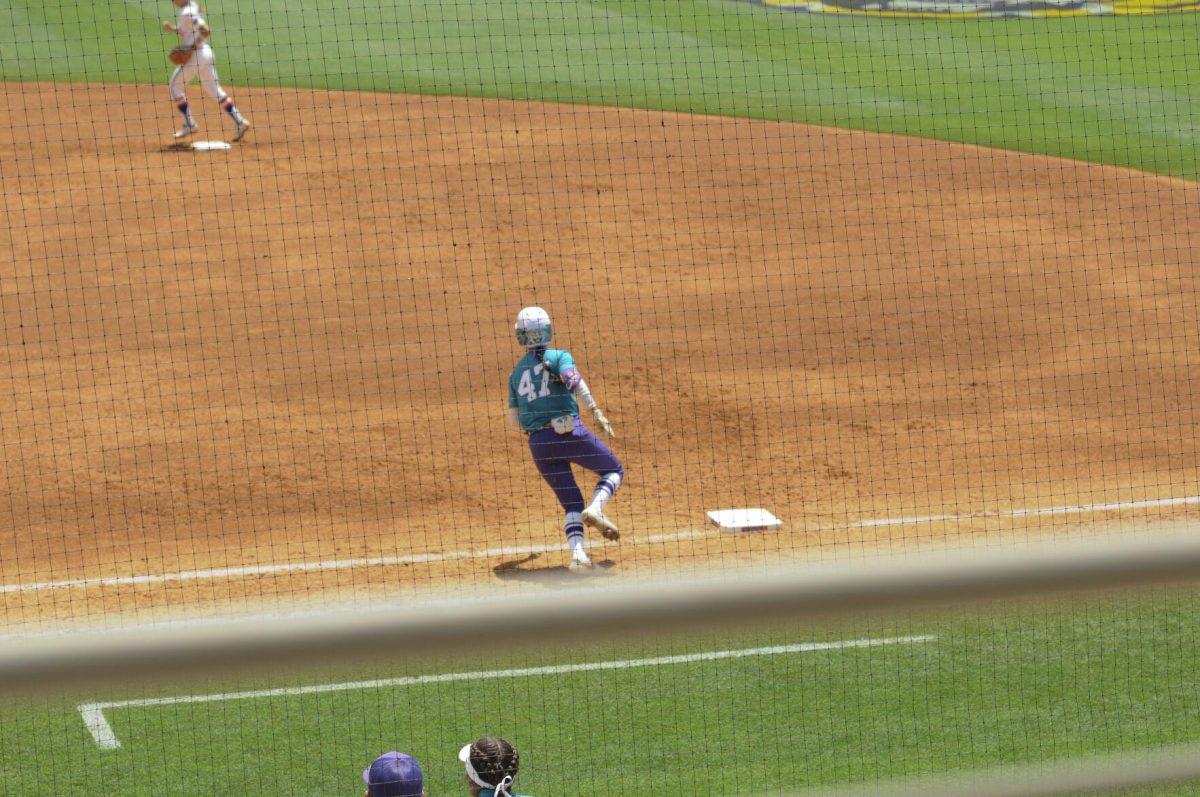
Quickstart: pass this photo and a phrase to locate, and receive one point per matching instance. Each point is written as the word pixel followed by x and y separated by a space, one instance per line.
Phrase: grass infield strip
pixel 106 738
pixel 1012 685
pixel 1052 86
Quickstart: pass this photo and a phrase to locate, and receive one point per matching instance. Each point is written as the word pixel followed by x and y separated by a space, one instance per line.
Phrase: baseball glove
pixel 180 55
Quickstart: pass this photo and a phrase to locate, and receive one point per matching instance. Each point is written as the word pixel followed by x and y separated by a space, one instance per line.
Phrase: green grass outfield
pixel 1034 685
pixel 1112 90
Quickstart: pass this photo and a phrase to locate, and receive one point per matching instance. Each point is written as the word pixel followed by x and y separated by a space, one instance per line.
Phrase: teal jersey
pixel 536 389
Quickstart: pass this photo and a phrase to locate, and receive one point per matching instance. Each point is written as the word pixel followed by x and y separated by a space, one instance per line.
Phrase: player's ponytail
pixel 540 354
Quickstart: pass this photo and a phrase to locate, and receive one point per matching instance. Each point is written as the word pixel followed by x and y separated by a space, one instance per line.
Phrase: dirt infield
pixel 296 351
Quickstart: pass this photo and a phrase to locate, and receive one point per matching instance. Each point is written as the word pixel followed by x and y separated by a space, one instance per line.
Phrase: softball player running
pixel 544 392
pixel 193 34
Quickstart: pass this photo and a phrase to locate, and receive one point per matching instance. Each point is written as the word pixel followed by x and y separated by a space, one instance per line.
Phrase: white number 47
pixel 526 387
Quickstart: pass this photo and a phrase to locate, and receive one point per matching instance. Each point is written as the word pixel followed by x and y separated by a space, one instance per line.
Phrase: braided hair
pixel 496 761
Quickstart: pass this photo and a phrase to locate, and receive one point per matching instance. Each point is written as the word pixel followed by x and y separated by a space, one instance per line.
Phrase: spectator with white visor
pixel 492 765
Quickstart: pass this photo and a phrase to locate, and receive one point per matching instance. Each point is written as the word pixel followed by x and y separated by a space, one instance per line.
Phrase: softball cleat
pixel 187 130
pixel 582 566
pixel 597 520
pixel 242 128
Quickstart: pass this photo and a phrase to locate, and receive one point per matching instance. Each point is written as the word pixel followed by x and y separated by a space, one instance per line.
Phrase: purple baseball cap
pixel 394 775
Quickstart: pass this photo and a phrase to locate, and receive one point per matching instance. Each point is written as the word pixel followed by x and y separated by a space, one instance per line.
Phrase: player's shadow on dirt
pixel 549 575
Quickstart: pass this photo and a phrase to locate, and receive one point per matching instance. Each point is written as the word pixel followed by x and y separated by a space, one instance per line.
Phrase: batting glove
pixel 604 424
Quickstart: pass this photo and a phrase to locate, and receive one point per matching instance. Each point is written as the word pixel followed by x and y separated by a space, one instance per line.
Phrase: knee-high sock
pixel 605 489
pixel 574 529
pixel 231 109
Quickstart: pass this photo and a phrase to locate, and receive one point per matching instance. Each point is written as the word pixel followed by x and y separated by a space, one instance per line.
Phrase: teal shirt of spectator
pixel 536 389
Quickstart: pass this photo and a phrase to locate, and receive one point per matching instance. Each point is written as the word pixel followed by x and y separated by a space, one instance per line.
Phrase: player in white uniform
pixel 193 36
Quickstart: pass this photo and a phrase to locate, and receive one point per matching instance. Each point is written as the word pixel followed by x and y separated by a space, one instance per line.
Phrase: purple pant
pixel 554 453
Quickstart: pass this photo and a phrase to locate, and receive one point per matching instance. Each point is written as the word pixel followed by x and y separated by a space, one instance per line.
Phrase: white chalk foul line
pixel 317 567
pixel 105 738
pixel 488 553
pixel 97 725
pixel 1080 509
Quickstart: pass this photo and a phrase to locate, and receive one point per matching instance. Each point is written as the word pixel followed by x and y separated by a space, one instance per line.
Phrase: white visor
pixel 464 755
pixel 500 789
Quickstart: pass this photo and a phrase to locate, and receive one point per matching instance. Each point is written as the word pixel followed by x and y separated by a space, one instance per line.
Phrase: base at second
pixel 208 146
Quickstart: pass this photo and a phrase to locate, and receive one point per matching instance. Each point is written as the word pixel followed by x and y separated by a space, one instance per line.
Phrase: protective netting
pixel 899 281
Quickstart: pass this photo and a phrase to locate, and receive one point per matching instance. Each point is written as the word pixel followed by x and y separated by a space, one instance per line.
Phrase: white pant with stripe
pixel 203 64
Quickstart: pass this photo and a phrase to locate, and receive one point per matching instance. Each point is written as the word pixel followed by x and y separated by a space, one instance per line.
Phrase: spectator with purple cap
pixel 394 775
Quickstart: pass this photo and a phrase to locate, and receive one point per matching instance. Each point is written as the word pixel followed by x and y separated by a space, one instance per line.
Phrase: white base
pixel 744 519
pixel 206 146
